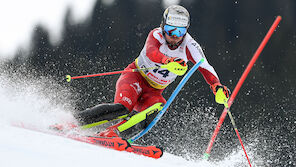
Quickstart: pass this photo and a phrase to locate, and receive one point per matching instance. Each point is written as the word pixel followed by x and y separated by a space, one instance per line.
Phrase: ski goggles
pixel 173 30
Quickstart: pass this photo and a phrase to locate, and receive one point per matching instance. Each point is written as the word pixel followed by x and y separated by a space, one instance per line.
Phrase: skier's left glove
pixel 216 86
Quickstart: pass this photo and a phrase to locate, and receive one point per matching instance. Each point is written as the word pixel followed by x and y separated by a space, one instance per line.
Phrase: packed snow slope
pixel 22 147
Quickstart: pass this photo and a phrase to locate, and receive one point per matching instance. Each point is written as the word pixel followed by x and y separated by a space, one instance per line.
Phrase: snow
pixel 22 147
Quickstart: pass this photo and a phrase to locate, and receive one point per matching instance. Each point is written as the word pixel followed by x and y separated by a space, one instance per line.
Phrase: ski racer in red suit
pixel 141 92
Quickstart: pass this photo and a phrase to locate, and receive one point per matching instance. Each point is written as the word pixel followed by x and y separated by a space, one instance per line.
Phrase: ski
pixel 149 151
pixel 121 144
pixel 116 143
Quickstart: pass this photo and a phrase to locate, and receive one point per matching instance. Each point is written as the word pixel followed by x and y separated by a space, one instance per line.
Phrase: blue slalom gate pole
pixel 166 106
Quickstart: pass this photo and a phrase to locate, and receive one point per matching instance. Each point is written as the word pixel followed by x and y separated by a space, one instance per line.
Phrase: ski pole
pixel 173 67
pixel 166 106
pixel 236 131
pixel 221 98
pixel 239 84
pixel 69 78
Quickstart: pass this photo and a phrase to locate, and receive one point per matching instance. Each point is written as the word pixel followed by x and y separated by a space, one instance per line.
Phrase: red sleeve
pixel 152 48
pixel 208 76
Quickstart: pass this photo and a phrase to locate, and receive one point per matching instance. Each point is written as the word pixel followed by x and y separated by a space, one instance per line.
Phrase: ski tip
pixel 157 152
pixel 161 150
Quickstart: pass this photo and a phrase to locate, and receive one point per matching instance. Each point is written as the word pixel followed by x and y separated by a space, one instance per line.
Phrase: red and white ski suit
pixel 140 90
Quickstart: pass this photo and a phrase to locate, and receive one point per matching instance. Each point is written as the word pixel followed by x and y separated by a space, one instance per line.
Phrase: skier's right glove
pixel 175 65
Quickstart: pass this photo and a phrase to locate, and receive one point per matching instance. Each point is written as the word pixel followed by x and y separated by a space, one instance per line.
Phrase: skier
pixel 138 96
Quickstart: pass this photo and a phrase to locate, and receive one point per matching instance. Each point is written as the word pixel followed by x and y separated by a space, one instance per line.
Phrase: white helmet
pixel 176 15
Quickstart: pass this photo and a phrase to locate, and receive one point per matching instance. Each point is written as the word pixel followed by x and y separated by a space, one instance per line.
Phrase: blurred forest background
pixel 228 31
